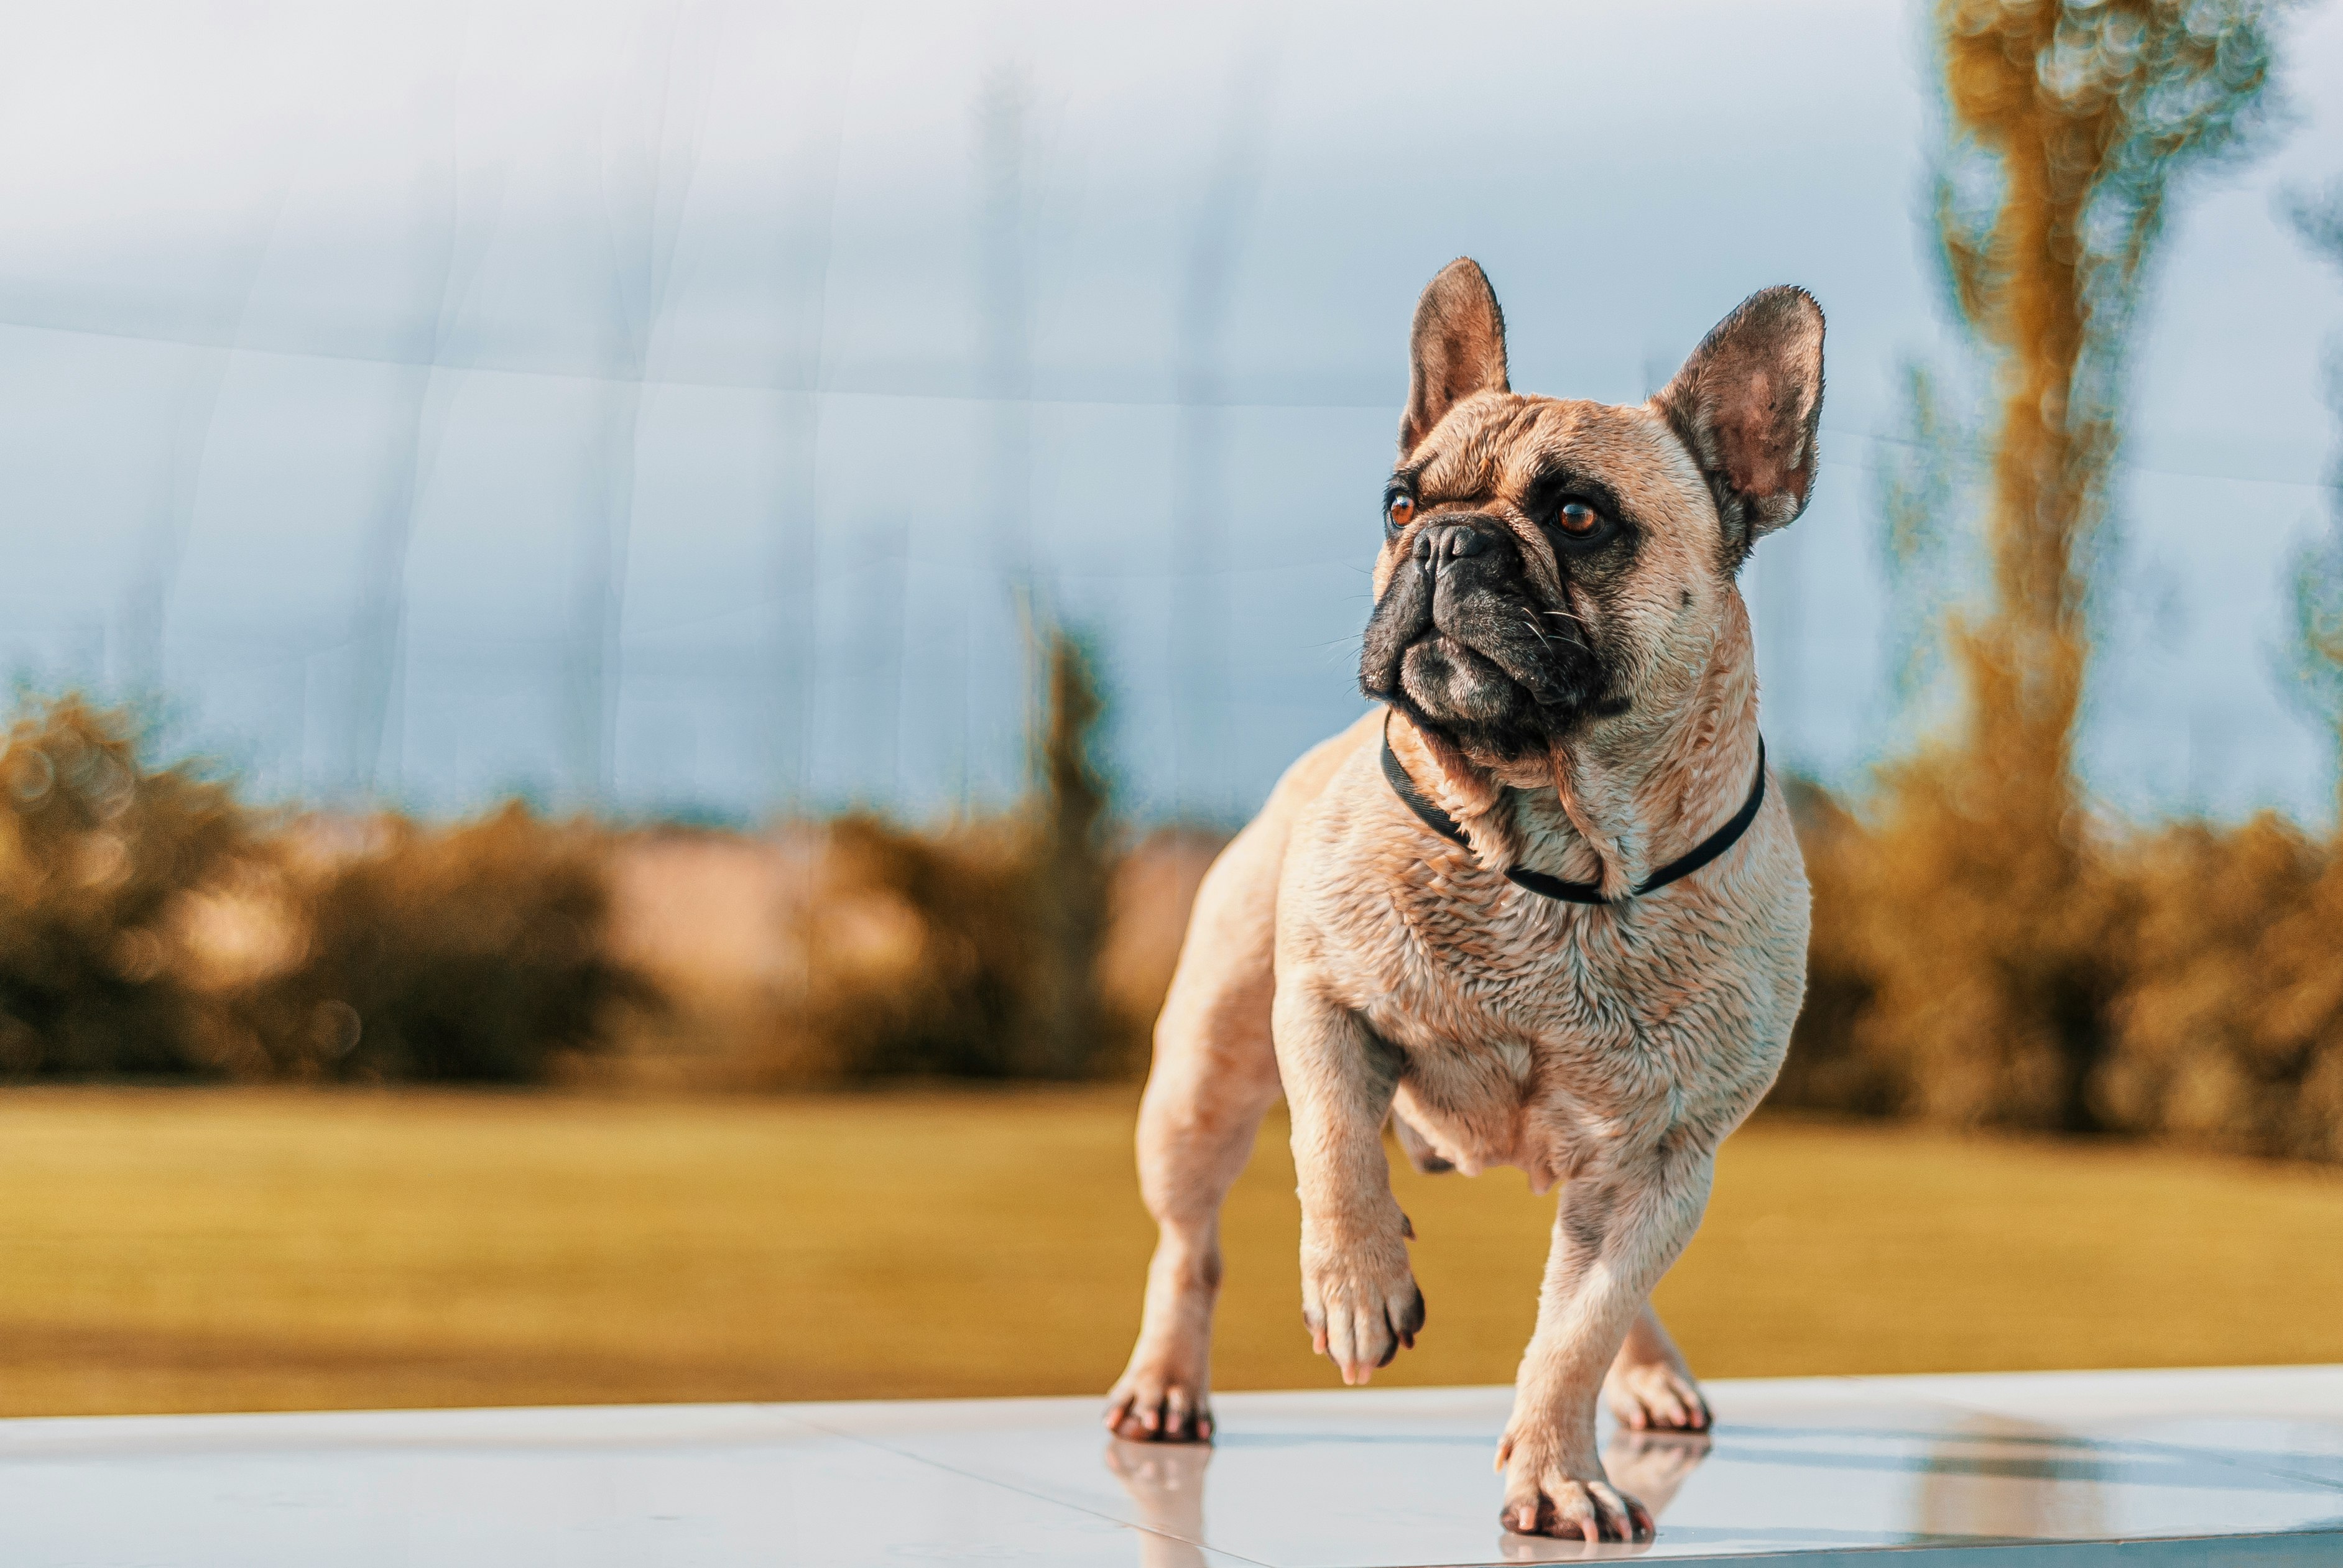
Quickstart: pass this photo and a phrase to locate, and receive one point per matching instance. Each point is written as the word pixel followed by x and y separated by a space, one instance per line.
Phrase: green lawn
pixel 200 1250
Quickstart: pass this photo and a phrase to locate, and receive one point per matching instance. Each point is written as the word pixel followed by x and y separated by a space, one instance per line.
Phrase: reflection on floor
pixel 2042 1469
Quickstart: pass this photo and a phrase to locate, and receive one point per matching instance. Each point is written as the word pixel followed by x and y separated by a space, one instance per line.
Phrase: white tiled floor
pixel 2030 1469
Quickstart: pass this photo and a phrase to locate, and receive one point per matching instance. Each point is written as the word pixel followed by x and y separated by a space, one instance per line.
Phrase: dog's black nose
pixel 1443 542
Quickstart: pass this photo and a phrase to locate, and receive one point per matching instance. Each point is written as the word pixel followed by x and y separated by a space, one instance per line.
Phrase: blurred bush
pixel 973 951
pixel 151 925
pixel 2186 982
pixel 1831 1065
pixel 471 954
pixel 914 956
pixel 96 855
pixel 2228 1027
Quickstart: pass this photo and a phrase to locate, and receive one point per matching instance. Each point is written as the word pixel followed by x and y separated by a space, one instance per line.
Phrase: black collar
pixel 1683 866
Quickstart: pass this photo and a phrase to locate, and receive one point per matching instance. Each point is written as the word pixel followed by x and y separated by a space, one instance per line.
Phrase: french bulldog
pixel 1542 907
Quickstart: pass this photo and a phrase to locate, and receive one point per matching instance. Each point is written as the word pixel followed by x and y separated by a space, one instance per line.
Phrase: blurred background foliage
pixel 99 856
pixel 473 954
pixel 973 951
pixel 156 927
pixel 1991 948
pixel 1989 951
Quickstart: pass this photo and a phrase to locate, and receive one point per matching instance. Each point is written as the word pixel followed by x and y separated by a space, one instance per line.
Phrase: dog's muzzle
pixel 1461 640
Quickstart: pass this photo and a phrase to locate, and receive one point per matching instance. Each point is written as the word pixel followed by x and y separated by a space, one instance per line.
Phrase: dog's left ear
pixel 1748 404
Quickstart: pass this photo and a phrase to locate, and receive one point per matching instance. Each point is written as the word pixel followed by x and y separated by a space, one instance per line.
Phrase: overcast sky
pixel 672 405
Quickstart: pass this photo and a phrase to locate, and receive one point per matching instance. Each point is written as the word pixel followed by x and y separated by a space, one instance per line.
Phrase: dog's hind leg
pixel 1650 1386
pixel 1214 1077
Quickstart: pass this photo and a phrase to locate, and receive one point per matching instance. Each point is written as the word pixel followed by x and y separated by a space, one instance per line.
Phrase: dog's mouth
pixel 1461 642
pixel 1444 674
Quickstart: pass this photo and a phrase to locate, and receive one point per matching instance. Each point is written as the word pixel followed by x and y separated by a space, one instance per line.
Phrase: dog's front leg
pixel 1358 1294
pixel 1617 1230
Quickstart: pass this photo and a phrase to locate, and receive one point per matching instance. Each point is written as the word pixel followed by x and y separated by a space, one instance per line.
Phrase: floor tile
pixel 562 1489
pixel 2031 1469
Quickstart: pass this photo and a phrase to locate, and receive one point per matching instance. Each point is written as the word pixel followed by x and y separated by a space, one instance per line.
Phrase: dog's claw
pixel 1545 1494
pixel 1360 1303
pixel 1656 1397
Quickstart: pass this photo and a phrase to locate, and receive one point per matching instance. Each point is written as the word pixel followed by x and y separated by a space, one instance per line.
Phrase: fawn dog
pixel 1540 908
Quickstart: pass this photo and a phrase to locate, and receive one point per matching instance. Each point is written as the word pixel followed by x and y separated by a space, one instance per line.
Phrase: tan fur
pixel 1342 952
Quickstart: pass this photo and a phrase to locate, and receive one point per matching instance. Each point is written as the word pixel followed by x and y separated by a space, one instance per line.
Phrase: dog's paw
pixel 1547 1494
pixel 1360 1301
pixel 1153 1403
pixel 1654 1396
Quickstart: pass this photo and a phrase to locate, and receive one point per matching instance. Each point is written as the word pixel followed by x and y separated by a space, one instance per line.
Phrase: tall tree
pixel 1069 865
pixel 2071 123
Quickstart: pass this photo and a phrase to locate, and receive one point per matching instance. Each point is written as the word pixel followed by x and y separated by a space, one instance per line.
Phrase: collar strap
pixel 1683 866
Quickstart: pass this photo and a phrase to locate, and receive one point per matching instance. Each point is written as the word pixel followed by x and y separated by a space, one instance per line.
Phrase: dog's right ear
pixel 1458 348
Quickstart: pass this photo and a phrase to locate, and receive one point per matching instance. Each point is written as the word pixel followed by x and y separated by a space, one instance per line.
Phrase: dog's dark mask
pixel 1463 640
pixel 1524 588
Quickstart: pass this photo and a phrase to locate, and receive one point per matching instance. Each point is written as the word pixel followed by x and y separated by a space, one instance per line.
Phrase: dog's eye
pixel 1399 511
pixel 1579 519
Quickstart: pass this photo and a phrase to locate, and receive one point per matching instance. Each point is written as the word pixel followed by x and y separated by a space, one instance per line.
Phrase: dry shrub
pixel 96 854
pixel 1989 938
pixel 1831 1065
pixel 150 926
pixel 845 951
pixel 968 952
pixel 1067 871
pixel 2184 983
pixel 917 952
pixel 2229 1032
pixel 471 954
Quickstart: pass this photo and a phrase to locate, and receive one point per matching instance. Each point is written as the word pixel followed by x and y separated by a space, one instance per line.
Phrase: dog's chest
pixel 1530 1026
pixel 1475 955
